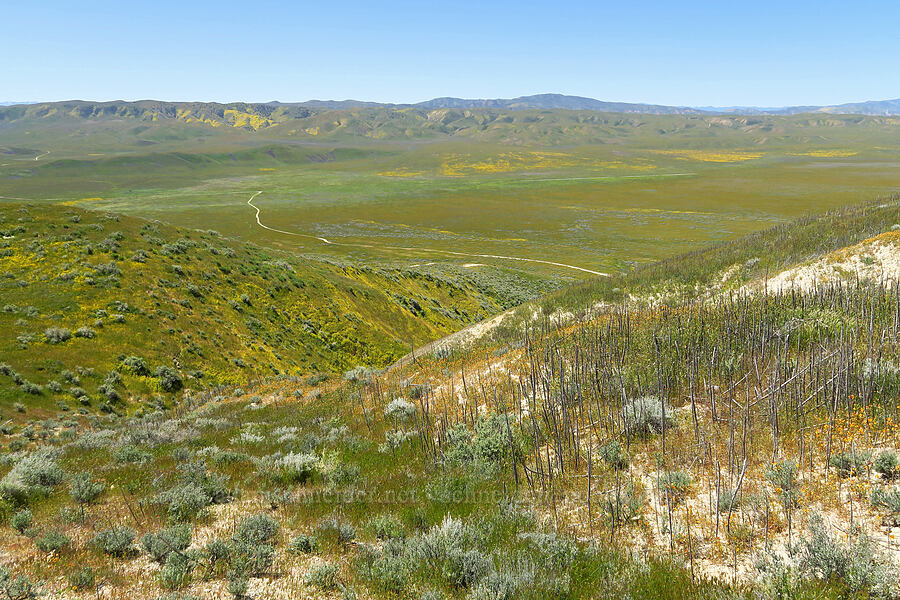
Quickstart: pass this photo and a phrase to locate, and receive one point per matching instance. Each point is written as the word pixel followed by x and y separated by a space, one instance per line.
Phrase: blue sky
pixel 669 52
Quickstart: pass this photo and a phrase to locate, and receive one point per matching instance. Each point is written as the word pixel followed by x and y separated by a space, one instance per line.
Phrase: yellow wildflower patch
pixel 828 153
pixel 77 202
pixel 402 172
pixel 206 120
pixel 457 165
pixel 245 119
pixel 716 156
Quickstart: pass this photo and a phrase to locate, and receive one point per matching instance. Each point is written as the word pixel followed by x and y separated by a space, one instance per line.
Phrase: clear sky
pixel 659 51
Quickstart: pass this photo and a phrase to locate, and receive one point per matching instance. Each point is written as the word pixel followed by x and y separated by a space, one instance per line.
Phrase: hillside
pixel 83 291
pixel 536 121
pixel 747 432
pixel 712 446
pixel 758 257
pixel 261 115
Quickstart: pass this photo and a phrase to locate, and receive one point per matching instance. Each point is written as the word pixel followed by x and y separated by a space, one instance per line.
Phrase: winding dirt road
pixel 420 249
pixel 260 223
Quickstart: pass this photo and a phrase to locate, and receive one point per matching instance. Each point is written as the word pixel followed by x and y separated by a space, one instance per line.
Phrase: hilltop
pixel 532 120
pixel 238 111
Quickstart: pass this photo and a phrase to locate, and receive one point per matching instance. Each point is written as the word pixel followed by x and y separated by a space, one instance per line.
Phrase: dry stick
pixel 693 400
pixel 512 451
pixel 131 510
pixel 718 492
pixel 734 495
pixel 590 477
pixel 690 542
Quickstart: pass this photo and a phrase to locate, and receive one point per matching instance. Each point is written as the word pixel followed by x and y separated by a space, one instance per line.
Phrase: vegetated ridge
pixel 83 291
pixel 261 115
pixel 670 437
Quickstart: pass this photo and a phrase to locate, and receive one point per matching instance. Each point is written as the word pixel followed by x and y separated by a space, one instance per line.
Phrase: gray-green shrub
pixel 783 476
pixel 116 541
pixel 57 335
pixel 304 544
pixel 169 379
pixel 35 474
pixel 887 498
pixel 256 529
pixel 727 501
pixel 613 455
pixel 84 489
pixel 176 571
pixel 19 587
pixel 162 543
pixel 21 520
pixel 400 410
pixel 341 531
pixel 324 576
pixel 647 415
pixel 195 489
pixel 53 541
pixel 296 467
pixel 387 527
pixel 82 579
pixel 887 463
pixel 136 365
pixel 674 485
pixel 850 463
pixel 858 565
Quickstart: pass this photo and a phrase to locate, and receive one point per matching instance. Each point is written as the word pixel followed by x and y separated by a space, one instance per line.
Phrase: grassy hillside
pixel 506 125
pixel 714 447
pixel 83 290
pixel 729 265
pixel 746 435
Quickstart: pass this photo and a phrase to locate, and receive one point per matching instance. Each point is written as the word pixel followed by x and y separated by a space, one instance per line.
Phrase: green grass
pixel 394 187
pixel 214 309
pixel 512 537
pixel 520 515
pixel 761 254
pixel 397 190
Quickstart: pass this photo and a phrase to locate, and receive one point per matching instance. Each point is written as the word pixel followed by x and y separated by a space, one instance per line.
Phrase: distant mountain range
pixel 554 101
pixel 561 101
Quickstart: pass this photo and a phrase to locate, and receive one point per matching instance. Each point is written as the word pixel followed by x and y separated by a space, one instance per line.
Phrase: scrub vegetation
pixel 98 308
pixel 188 413
pixel 724 446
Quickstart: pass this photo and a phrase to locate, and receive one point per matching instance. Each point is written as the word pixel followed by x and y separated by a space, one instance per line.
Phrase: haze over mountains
pixel 562 101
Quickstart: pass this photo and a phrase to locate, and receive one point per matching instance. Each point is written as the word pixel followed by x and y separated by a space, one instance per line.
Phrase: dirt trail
pixel 258 222
pixel 420 249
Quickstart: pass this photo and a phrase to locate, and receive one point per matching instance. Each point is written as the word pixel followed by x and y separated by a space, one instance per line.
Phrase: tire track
pixel 419 249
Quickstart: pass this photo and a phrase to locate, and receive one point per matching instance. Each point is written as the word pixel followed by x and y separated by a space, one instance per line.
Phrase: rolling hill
pixel 606 442
pixel 83 291
pixel 261 115
pixel 143 125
